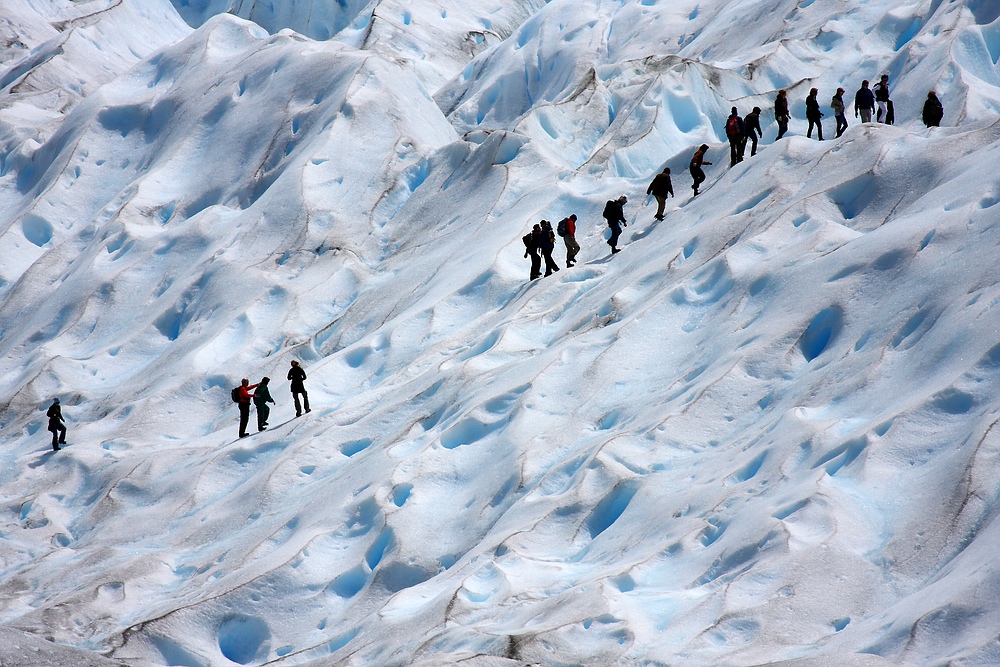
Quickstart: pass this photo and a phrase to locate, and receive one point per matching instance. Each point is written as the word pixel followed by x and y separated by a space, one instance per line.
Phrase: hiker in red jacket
pixel 244 405
pixel 567 230
pixel 737 134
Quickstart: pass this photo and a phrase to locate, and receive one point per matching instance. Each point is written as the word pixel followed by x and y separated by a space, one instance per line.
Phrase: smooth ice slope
pixel 763 433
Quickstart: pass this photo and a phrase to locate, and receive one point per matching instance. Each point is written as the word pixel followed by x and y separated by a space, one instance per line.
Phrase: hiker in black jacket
pixel 864 103
pixel 814 115
pixel 614 213
pixel 661 188
pixel 933 111
pixel 531 240
pixel 752 125
pixel 547 243
pixel 298 376
pixel 881 90
pixel 781 113
pixel 56 424
pixel 837 104
pixel 261 397
pixel 697 173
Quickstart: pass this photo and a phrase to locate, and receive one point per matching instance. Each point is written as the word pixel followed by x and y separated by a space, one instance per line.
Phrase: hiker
pixel 881 91
pixel 531 249
pixel 244 405
pixel 547 243
pixel 781 113
pixel 814 115
pixel 661 188
pixel 736 133
pixel 261 398
pixel 864 102
pixel 567 230
pixel 696 163
pixel 56 424
pixel 753 131
pixel 933 111
pixel 614 213
pixel 837 104
pixel 297 376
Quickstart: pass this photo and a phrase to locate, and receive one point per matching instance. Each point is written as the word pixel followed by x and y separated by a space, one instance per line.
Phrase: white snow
pixel 764 433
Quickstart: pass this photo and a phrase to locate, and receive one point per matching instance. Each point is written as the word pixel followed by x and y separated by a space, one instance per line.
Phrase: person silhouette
pixel 297 377
pixel 261 398
pixel 56 424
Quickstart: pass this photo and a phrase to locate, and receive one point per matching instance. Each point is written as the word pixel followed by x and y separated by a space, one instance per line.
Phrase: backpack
pixel 548 239
pixel 609 210
pixel 561 228
pixel 236 394
pixel 733 126
pixel 529 242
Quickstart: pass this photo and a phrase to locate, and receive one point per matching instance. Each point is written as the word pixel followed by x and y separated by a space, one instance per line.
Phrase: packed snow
pixel 763 433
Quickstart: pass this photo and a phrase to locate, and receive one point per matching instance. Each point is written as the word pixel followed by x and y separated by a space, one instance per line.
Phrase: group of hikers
pixel 542 239
pixel 241 395
pixel 540 242
pixel 867 101
pixel 262 396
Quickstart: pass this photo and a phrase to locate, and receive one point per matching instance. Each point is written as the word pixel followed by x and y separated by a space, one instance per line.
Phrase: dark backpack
pixel 548 240
pixel 236 394
pixel 561 228
pixel 733 126
pixel 529 241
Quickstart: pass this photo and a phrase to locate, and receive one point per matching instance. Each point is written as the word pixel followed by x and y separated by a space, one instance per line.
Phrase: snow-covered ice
pixel 764 433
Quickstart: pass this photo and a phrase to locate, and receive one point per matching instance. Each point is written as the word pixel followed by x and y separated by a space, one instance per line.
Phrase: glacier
pixel 762 434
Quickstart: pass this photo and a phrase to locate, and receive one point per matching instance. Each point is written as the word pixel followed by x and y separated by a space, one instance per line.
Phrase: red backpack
pixel 733 126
